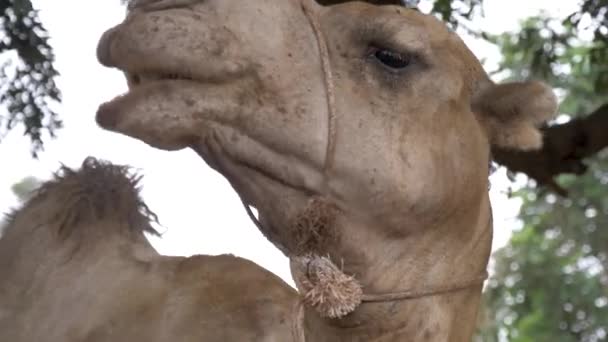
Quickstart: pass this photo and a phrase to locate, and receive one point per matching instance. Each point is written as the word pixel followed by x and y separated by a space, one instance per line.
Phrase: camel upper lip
pixel 104 55
pixel 134 77
pixel 141 48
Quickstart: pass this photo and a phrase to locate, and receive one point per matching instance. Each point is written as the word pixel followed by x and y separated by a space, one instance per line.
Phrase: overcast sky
pixel 200 211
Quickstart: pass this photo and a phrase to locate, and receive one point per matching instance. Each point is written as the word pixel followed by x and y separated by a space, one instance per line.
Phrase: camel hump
pixel 77 200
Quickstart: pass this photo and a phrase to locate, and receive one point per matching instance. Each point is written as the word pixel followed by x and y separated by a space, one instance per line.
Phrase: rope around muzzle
pixel 323 285
pixel 329 90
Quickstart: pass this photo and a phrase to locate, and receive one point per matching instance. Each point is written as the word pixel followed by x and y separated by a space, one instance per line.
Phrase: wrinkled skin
pixel 405 157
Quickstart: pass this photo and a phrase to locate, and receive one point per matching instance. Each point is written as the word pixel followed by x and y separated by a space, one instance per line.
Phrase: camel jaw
pixel 197 81
pixel 173 114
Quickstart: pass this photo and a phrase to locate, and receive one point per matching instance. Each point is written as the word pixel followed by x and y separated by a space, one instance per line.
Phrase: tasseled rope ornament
pixel 325 287
pixel 322 284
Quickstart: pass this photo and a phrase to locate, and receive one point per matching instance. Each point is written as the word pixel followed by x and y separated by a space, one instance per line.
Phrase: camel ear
pixel 513 112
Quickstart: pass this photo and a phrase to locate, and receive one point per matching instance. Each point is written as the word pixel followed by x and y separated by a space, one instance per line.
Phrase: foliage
pixel 23 190
pixel 551 280
pixel 551 49
pixel 571 56
pixel 456 12
pixel 27 82
pixel 24 187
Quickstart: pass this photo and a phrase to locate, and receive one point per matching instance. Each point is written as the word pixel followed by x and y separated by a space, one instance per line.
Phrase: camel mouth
pixel 138 79
pixel 140 86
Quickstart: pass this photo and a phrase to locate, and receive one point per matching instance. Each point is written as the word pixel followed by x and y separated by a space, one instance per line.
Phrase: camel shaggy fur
pixel 75 266
pixel 379 112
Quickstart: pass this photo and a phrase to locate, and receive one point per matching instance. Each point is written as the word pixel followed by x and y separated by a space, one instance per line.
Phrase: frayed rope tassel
pixel 324 286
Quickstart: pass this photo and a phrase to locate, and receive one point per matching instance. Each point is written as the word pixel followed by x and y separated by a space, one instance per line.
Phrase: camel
pixel 75 265
pixel 361 134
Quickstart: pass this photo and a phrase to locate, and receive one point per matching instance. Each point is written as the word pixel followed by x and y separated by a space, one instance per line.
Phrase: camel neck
pixel 450 317
pixel 440 271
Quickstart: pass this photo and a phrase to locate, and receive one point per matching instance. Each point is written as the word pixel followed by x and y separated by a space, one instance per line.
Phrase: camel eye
pixel 391 59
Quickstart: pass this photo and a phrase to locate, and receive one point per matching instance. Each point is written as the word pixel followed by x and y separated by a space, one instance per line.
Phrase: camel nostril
pixel 135 79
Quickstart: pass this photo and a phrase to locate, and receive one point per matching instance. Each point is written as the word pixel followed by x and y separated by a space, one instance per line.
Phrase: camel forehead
pixel 393 20
pixel 407 15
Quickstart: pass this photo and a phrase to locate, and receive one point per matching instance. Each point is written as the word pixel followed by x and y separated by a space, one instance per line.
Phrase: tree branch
pixel 564 148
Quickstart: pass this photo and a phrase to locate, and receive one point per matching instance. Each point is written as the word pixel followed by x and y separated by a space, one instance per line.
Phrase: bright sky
pixel 199 209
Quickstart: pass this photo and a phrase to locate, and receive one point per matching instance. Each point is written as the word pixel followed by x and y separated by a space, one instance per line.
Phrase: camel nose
pixel 104 55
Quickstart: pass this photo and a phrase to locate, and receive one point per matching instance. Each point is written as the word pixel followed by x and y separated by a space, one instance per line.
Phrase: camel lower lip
pixel 107 116
pixel 109 112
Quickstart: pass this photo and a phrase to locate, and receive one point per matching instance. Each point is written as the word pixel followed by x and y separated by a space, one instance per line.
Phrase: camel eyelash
pixel 376 36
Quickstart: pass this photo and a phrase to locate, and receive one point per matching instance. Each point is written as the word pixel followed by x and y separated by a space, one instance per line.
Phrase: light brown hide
pixel 75 266
pixel 242 83
pixel 288 100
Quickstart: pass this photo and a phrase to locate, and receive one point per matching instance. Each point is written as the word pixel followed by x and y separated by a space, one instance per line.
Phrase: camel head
pixel 378 115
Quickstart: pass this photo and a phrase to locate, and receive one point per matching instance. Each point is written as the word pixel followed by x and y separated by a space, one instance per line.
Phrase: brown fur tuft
pixel 325 287
pixel 312 228
pixel 76 199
